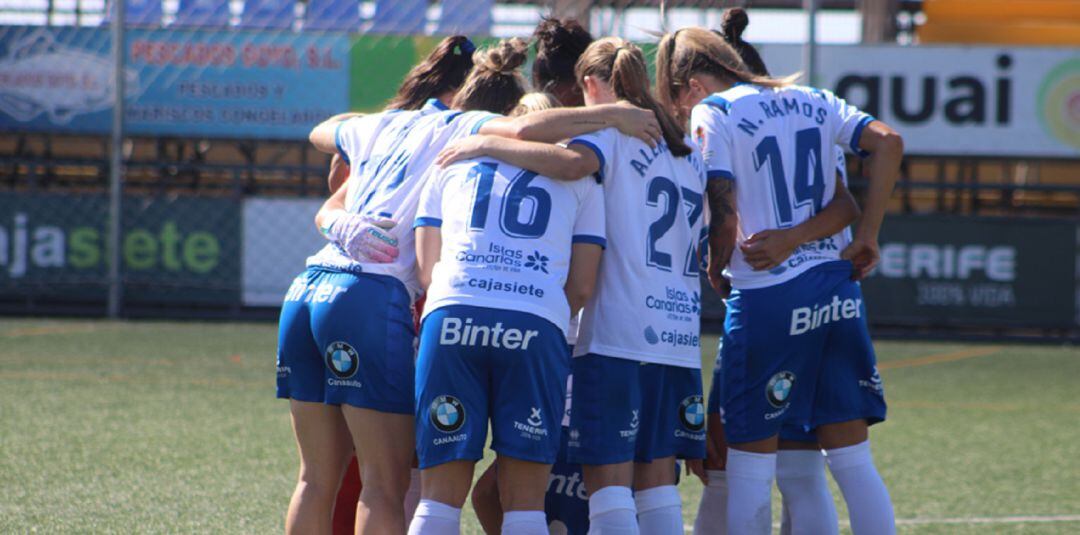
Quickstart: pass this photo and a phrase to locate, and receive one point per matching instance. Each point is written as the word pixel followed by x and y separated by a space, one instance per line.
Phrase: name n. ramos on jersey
pixel 393 163
pixel 507 236
pixel 647 303
pixel 790 134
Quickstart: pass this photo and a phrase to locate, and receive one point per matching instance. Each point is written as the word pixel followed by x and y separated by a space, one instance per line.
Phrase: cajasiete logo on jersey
pixel 1059 102
pixel 447 414
pixel 778 389
pixel 342 360
pixel 692 413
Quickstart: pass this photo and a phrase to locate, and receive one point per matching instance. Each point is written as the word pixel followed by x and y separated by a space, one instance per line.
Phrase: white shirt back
pixel 507 235
pixel 778 147
pixel 647 303
pixel 394 163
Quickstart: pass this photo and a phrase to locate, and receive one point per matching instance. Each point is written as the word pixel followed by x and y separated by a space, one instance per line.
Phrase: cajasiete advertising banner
pixel 974 271
pixel 173 251
pixel 979 101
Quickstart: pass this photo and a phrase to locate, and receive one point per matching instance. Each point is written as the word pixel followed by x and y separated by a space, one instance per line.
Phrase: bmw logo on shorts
pixel 447 414
pixel 779 388
pixel 342 360
pixel 692 413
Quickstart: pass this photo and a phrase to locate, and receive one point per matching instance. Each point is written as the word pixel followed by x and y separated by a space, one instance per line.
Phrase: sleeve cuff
pixel 480 124
pixel 427 222
pixel 858 134
pixel 337 142
pixel 588 238
pixel 599 156
pixel 718 173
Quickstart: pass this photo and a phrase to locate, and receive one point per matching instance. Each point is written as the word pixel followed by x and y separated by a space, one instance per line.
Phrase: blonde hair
pixel 694 50
pixel 494 84
pixel 622 65
pixel 532 102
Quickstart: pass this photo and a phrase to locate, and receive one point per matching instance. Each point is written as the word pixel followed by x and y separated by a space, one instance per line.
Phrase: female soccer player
pixel 796 348
pixel 559 44
pixel 322 435
pixel 800 466
pixel 637 380
pixel 494 244
pixel 353 339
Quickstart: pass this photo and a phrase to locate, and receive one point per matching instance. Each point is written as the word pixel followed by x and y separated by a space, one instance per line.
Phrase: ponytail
pixel 443 70
pixel 494 84
pixel 622 65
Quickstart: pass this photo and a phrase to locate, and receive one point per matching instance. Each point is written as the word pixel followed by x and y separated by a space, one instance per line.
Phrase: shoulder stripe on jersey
pixel 586 238
pixel 717 101
pixel 337 142
pixel 427 222
pixel 476 127
pixel 858 134
pixel 436 103
pixel 451 116
pixel 718 173
pixel 599 174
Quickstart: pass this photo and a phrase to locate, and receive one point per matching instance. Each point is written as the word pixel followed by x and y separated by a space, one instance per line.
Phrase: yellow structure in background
pixel 1013 22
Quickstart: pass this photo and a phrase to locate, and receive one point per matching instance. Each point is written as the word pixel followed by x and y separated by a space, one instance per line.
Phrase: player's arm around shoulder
pixel 324 135
pixel 552 161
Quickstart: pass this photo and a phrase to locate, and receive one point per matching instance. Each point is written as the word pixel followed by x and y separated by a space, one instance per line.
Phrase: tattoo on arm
pixel 720 192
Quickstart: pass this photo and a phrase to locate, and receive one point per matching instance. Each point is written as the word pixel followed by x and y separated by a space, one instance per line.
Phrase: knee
pixel 318 489
pixel 385 484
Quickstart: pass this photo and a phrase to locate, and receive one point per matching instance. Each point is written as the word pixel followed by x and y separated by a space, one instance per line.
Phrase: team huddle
pixel 550 245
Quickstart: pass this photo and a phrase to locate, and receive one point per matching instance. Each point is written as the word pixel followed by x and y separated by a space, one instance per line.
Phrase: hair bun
pixel 504 57
pixel 734 23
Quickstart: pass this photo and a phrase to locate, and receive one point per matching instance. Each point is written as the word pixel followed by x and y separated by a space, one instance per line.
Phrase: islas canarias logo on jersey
pixel 1059 102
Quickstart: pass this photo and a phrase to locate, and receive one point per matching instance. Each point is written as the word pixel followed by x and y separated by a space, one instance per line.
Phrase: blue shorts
pixel 625 410
pixel 347 338
pixel 798 354
pixel 478 363
pixel 716 393
pixel 566 501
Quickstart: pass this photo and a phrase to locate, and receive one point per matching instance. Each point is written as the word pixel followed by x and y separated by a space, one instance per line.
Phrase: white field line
pixel 1037 519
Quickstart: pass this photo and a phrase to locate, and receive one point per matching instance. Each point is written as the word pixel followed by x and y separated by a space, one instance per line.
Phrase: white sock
pixel 749 479
pixel 524 523
pixel 659 510
pixel 612 512
pixel 434 518
pixel 412 496
pixel 867 498
pixel 808 504
pixel 712 512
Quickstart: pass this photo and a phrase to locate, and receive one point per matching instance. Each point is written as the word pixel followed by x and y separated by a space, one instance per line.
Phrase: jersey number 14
pixel 809 178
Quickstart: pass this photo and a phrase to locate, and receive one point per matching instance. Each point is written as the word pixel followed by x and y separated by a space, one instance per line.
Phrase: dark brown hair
pixel 732 26
pixel 444 69
pixel 559 43
pixel 494 84
pixel 622 65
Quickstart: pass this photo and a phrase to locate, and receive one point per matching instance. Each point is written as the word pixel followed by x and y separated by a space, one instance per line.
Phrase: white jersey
pixel 647 303
pixel 777 145
pixel 507 235
pixel 394 164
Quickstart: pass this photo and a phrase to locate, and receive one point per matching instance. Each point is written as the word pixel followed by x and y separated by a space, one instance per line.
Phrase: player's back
pixel 646 305
pixel 777 144
pixel 390 178
pixel 507 236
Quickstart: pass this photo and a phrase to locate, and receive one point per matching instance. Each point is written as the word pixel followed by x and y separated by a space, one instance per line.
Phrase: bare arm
pixel 339 173
pixel 428 249
pixel 336 203
pixel 570 163
pixel 767 249
pixel 581 280
pixel 323 135
pixel 723 229
pixel 554 125
pixel 886 149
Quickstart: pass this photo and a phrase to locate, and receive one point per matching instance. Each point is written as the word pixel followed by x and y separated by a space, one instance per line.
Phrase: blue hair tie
pixel 468 47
